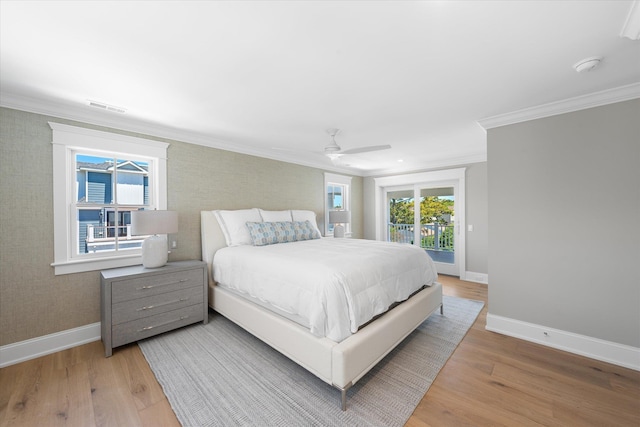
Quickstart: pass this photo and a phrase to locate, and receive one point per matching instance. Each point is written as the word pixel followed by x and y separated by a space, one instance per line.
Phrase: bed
pixel 338 356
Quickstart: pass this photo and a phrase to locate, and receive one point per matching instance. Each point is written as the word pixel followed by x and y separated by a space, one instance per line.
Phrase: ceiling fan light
pixel 332 148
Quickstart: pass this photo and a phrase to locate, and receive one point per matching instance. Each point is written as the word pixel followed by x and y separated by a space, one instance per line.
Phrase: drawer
pixel 149 326
pixel 143 307
pixel 128 289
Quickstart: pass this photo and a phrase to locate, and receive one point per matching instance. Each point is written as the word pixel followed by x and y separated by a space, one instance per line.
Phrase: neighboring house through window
pixel 338 197
pixel 99 178
pixel 108 189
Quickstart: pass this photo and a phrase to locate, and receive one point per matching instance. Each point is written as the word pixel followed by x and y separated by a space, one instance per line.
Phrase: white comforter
pixel 335 284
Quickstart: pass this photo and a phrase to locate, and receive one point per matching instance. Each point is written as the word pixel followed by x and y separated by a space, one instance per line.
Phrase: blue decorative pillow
pixel 269 233
pixel 305 230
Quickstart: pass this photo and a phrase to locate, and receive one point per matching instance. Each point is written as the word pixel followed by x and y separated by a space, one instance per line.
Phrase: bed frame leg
pixel 441 309
pixel 343 392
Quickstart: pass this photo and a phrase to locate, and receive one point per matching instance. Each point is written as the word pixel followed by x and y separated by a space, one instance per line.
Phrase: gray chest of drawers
pixel 138 302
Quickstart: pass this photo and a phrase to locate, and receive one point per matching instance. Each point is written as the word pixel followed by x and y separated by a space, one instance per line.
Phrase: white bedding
pixel 337 284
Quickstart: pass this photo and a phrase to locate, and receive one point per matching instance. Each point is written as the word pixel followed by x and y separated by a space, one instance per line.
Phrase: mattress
pixel 333 285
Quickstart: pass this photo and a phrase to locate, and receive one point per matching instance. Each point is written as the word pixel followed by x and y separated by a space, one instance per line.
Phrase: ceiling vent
pixel 107 107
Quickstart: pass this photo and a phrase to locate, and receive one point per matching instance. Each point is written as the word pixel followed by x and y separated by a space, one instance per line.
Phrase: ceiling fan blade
pixel 366 149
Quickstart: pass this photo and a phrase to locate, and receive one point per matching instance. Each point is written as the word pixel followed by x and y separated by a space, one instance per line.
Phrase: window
pixel 107 190
pixel 338 197
pixel 99 178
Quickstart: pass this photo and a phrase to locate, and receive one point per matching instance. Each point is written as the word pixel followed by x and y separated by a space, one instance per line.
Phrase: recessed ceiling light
pixel 103 106
pixel 587 64
pixel 400 160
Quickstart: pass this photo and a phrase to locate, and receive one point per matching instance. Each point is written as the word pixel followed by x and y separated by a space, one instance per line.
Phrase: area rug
pixel 219 375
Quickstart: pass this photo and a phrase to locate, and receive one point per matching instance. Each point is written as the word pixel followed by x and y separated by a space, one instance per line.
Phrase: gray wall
pixel 35 302
pixel 564 221
pixel 476 214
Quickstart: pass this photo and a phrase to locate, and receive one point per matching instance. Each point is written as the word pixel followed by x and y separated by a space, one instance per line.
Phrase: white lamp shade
pixel 153 222
pixel 339 217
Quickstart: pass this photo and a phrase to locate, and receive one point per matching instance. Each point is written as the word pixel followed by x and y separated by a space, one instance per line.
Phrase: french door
pixel 428 213
pixel 425 217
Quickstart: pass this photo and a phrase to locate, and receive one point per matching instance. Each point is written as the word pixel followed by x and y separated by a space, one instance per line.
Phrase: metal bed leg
pixel 441 308
pixel 343 392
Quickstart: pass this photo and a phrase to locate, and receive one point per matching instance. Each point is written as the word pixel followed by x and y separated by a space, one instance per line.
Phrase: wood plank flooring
pixel 490 380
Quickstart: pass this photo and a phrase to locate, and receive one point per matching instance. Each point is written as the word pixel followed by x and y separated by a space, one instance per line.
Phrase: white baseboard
pixel 30 349
pixel 606 351
pixel 470 276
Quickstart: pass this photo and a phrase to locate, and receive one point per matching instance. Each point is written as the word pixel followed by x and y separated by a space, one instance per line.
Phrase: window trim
pixel 66 140
pixel 332 178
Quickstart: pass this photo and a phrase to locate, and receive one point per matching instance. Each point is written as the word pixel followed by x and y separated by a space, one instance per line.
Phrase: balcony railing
pixel 103 238
pixel 100 232
pixel 435 237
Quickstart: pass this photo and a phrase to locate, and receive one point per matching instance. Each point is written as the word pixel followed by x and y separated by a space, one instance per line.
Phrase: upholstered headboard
pixel 212 239
pixel 235 231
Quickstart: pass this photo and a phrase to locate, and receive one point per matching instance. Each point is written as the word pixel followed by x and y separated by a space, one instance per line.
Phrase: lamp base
pixel 338 231
pixel 154 251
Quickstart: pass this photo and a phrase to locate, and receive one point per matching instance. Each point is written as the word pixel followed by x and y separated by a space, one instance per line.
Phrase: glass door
pixel 401 216
pixel 437 227
pixel 424 216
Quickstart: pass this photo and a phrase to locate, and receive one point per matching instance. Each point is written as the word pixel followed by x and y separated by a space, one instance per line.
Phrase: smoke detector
pixel 587 64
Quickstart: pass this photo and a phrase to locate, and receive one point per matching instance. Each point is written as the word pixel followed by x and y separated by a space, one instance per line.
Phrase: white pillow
pixel 306 216
pixel 233 225
pixel 275 216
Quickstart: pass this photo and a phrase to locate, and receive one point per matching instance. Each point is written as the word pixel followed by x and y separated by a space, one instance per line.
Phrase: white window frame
pixel 66 141
pixel 332 178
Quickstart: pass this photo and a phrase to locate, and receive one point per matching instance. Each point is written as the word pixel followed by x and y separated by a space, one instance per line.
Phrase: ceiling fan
pixel 334 151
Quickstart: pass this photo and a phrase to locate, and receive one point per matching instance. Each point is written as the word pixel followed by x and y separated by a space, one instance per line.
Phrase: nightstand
pixel 138 302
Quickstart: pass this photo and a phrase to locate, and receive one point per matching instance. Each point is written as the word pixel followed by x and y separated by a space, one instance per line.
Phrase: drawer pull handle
pixel 147 328
pixel 164 284
pixel 149 307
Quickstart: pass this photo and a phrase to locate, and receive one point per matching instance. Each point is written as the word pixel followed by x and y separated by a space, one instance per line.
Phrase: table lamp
pixel 339 218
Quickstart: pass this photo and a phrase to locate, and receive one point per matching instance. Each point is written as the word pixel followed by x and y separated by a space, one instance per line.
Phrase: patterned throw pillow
pixel 269 233
pixel 305 230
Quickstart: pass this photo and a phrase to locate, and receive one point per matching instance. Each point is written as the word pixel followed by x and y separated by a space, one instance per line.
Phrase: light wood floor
pixel 490 380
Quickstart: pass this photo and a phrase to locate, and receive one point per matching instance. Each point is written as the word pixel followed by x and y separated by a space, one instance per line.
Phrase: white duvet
pixel 336 284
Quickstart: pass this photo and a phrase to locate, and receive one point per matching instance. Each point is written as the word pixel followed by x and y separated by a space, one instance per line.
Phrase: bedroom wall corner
pixel 563 221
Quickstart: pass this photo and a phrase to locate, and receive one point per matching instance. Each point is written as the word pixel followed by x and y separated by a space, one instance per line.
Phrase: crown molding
pixel 448 162
pixel 120 122
pixel 110 120
pixel 126 124
pixel 596 99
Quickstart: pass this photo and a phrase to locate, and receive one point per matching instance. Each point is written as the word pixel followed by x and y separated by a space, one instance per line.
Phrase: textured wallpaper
pixel 34 302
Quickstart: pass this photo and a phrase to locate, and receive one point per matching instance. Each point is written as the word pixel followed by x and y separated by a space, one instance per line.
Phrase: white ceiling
pixel 268 78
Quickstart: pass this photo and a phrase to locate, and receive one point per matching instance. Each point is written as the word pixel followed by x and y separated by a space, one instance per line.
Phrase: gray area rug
pixel 219 375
